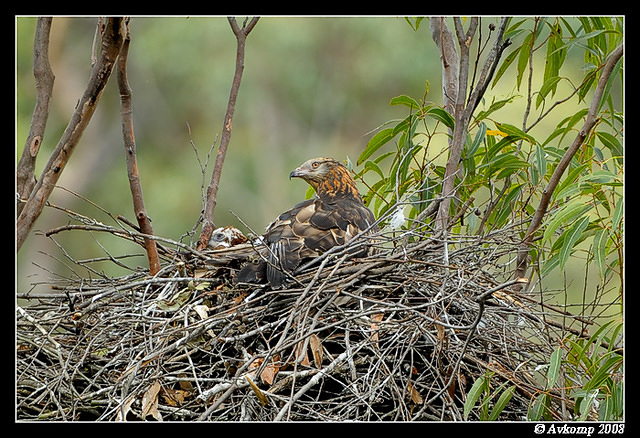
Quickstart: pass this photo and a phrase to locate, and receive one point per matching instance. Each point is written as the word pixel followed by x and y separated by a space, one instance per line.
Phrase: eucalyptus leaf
pixel 572 236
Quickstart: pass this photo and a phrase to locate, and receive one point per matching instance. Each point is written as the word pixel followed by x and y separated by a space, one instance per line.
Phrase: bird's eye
pixel 315 164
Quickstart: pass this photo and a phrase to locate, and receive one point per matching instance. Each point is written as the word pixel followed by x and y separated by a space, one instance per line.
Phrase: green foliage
pixel 590 372
pixel 409 177
pixel 509 157
pixel 483 394
pixel 505 168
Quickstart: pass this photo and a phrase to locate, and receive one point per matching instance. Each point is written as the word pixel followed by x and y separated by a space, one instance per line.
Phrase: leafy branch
pixel 506 175
pixel 463 109
pixel 547 193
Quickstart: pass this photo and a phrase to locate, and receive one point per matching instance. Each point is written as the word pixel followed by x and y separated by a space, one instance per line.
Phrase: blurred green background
pixel 312 86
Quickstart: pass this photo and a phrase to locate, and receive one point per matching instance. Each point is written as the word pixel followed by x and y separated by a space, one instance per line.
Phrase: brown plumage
pixel 334 217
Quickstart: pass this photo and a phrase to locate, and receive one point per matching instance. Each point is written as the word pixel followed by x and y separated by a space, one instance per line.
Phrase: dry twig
pixel 398 336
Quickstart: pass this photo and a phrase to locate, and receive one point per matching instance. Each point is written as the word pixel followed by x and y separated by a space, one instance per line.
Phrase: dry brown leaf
pixel 375 319
pixel 414 394
pixel 452 387
pixel 269 373
pixel 462 383
pixel 440 330
pixel 316 350
pixel 184 384
pixel 150 402
pixel 254 365
pixel 123 411
pixel 202 311
pixel 257 391
pixel 175 397
pixel 301 354
pixel 200 273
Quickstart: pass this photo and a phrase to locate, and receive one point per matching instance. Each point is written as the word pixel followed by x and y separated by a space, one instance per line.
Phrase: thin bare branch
pixel 589 123
pixel 130 154
pixel 463 110
pixel 44 79
pixel 208 225
pixel 112 38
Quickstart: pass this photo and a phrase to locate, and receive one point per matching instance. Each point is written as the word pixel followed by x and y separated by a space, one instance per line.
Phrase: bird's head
pixel 226 237
pixel 314 170
pixel 327 176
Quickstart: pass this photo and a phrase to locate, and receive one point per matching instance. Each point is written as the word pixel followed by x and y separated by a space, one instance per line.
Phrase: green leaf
pixel 600 251
pixel 477 141
pixel 518 133
pixel 176 302
pixel 607 89
pixel 579 350
pixel 505 65
pixel 417 22
pixel 556 53
pixel 442 116
pixel 572 235
pixel 549 265
pixel 495 106
pixel 617 215
pixel 538 409
pixel 502 402
pixel 584 405
pixel 611 408
pixel 611 143
pixel 381 138
pixel 582 39
pixel 572 121
pixel 309 193
pixel 523 57
pixel 603 372
pixel 512 31
pixel 554 367
pixel 370 165
pixel 403 125
pixel 566 215
pixel 406 101
pixel 505 209
pixel 505 164
pixel 541 160
pixel 202 286
pixel 474 395
pixel 603 177
pixel 568 187
pixel 549 86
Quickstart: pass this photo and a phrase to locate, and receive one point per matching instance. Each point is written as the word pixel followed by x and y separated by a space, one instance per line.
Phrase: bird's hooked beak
pixel 297 173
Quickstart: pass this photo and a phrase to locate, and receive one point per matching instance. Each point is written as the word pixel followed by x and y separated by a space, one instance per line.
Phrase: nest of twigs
pixel 401 335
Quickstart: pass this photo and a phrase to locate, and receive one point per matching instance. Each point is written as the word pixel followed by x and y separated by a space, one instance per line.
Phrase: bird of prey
pixel 333 217
pixel 226 237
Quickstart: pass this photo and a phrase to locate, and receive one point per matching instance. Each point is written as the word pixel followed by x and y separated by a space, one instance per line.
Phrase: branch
pixel 241 34
pixel 462 113
pixel 489 68
pixel 130 155
pixel 547 193
pixel 442 36
pixel 311 383
pixel 44 78
pixel 111 42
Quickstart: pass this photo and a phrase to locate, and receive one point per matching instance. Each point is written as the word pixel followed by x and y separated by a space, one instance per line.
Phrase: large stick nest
pixel 401 335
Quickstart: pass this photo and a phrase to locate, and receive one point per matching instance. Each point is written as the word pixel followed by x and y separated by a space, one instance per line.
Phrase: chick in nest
pixel 226 237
